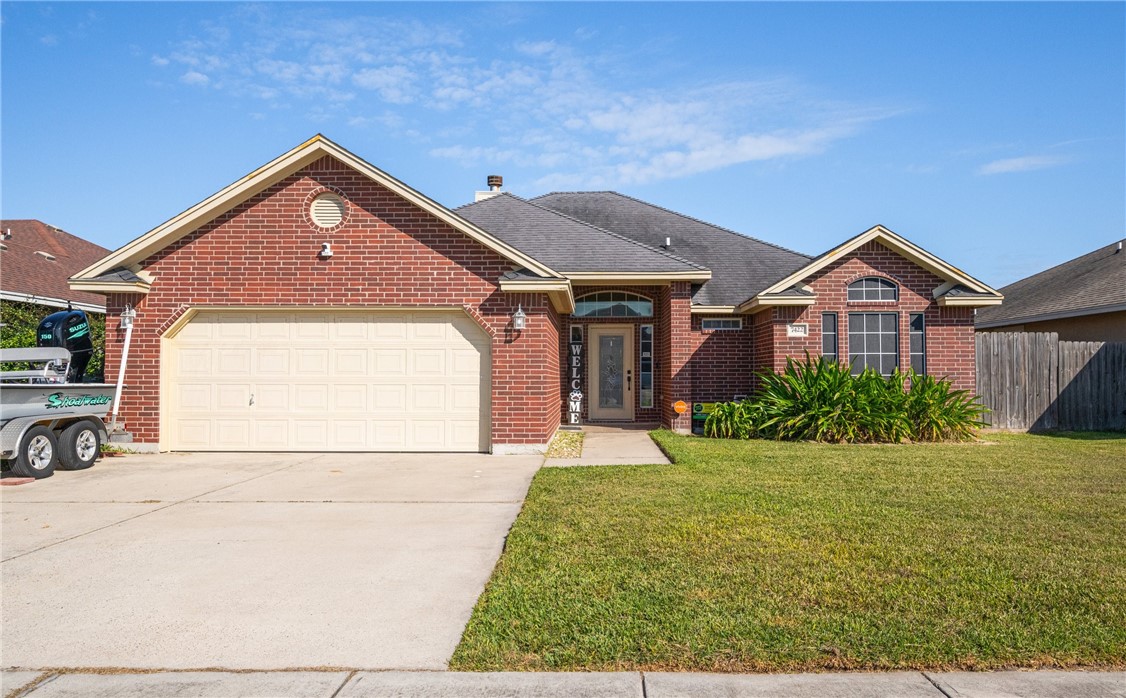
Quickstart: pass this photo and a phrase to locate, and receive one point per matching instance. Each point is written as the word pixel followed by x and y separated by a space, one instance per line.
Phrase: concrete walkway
pixel 604 445
pixel 364 684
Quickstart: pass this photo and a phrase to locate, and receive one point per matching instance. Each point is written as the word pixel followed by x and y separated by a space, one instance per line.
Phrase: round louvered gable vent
pixel 327 210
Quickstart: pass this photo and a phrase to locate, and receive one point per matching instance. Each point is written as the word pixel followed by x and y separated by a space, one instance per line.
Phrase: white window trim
pixel 704 324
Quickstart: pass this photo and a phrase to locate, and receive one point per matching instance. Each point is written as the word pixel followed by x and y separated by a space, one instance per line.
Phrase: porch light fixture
pixel 519 319
pixel 326 250
pixel 128 316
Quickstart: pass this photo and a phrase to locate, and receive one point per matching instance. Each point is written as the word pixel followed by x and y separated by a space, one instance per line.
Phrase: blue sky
pixel 990 134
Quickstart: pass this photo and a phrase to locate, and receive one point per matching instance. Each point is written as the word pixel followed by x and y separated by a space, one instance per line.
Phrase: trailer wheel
pixel 38 453
pixel 79 446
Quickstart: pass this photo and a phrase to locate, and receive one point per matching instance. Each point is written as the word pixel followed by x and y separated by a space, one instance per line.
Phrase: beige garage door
pixel 327 381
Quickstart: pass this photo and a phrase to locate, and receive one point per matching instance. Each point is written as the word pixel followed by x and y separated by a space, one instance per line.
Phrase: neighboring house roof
pixel 1087 285
pixel 37 260
pixel 741 266
pixel 568 245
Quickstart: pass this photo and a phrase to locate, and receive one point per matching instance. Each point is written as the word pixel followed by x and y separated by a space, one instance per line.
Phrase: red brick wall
pixel 388 252
pixel 677 348
pixel 722 363
pixel 949 331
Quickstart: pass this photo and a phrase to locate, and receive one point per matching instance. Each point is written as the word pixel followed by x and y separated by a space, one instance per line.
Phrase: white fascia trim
pixel 968 301
pixel 308 152
pixel 714 310
pixel 1053 316
pixel 559 292
pixel 597 278
pixel 51 302
pixel 763 301
pixel 904 247
pixel 110 286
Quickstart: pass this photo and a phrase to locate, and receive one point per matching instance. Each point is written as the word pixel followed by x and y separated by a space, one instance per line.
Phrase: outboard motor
pixel 69 329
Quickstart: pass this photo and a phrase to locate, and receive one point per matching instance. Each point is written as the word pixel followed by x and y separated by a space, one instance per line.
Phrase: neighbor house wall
pixel 1102 327
pixel 388 253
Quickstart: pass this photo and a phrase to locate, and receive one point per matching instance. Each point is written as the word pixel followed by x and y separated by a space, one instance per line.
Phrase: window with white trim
pixel 873 342
pixel 918 344
pixel 873 288
pixel 613 304
pixel 645 397
pixel 721 323
pixel 829 337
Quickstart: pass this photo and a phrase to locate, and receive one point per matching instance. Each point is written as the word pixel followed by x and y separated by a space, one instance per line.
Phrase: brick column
pixel 676 377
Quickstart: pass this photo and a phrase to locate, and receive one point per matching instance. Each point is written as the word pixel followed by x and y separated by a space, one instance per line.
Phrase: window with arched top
pixel 613 304
pixel 873 288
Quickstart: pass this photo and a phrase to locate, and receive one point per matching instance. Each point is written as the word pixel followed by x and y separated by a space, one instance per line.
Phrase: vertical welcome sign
pixel 575 399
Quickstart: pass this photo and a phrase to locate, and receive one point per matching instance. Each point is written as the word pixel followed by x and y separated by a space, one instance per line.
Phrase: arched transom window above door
pixel 873 288
pixel 613 304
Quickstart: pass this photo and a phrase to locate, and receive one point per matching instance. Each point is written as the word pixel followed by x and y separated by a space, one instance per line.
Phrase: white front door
pixel 611 372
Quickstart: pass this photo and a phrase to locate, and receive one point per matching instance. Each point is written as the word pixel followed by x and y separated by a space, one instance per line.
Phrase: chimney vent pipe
pixel 495 182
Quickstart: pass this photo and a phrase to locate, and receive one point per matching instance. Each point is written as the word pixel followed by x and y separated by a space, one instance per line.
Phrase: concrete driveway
pixel 253 561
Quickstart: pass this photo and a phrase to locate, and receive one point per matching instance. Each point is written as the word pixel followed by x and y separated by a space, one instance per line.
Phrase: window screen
pixel 829 337
pixel 873 342
pixel 918 344
pixel 873 288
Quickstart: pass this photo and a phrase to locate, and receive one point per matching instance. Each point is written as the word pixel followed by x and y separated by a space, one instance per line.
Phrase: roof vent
pixel 8 234
pixel 327 210
pixel 46 255
pixel 495 182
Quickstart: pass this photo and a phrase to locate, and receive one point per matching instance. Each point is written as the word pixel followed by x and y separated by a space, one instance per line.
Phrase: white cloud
pixel 394 83
pixel 1027 163
pixel 194 77
pixel 537 104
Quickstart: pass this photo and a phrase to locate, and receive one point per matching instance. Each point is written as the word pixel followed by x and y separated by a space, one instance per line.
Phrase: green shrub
pixel 819 400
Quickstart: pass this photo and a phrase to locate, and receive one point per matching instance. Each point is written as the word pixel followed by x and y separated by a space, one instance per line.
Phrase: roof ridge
pixel 611 233
pixel 685 216
pixel 1066 262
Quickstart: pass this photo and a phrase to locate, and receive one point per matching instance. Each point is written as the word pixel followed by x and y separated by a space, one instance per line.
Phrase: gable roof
pixel 570 246
pixel 1090 284
pixel 128 256
pixel 740 265
pixel 973 293
pixel 38 259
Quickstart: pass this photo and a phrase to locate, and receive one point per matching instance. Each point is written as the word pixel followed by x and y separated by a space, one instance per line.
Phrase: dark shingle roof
pixel 566 244
pixel 121 274
pixel 1095 280
pixel 741 266
pixel 45 275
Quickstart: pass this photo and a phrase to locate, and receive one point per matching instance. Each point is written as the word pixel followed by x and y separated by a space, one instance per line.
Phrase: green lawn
pixel 763 556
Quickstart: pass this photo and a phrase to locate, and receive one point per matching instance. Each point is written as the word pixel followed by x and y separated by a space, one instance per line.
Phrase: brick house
pixel 320 304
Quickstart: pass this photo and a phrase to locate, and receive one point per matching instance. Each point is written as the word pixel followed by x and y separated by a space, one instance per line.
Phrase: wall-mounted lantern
pixel 519 319
pixel 128 316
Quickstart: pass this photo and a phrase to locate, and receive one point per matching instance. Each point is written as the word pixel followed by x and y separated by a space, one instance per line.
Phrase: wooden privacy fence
pixel 1033 381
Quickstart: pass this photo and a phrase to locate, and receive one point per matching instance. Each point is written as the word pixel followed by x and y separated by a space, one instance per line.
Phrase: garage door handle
pixel 252 399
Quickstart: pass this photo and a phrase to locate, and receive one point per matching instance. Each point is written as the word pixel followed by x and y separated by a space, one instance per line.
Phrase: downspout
pixel 127 317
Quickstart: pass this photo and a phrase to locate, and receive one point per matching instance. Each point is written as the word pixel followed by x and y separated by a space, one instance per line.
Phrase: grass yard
pixel 764 556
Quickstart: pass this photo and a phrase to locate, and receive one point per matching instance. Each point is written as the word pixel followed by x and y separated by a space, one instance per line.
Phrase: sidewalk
pixel 396 684
pixel 614 446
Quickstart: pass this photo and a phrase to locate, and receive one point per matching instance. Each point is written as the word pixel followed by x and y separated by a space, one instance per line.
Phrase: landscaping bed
pixel 765 556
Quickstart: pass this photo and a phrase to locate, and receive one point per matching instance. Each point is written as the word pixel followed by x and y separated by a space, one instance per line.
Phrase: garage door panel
pixel 232 434
pixel 392 381
pixel 272 362
pixel 427 362
pixel 310 398
pixel 232 362
pixel 232 396
pixel 390 362
pixel 271 434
